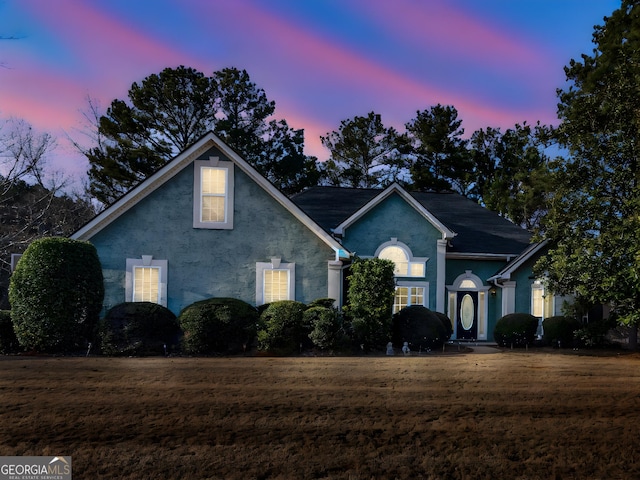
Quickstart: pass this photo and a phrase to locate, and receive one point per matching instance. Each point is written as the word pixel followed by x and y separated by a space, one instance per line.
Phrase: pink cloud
pixel 110 53
pixel 353 72
pixel 441 25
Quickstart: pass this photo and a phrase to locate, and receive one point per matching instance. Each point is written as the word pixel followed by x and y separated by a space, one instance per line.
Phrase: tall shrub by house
pixel 370 297
pixel 56 295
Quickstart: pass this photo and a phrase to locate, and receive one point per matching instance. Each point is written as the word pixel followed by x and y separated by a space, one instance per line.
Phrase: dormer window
pixel 213 194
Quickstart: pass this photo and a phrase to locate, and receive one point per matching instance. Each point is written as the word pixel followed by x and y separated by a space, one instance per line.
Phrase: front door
pixel 467 323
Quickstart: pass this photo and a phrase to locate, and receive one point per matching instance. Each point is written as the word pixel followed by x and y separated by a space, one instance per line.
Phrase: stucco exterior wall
pixel 205 263
pixel 524 279
pixel 395 218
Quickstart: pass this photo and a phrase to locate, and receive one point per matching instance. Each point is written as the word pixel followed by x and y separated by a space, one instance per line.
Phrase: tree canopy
pixel 442 160
pixel 169 111
pixel 594 220
pixel 364 153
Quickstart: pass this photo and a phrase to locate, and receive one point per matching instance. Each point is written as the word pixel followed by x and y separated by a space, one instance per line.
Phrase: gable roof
pixel 381 196
pixel 504 274
pixel 181 161
pixel 477 230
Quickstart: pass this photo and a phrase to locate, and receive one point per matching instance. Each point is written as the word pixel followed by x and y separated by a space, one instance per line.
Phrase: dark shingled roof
pixel 478 230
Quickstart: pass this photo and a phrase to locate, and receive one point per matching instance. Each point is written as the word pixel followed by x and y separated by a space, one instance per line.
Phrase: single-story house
pixel 208 224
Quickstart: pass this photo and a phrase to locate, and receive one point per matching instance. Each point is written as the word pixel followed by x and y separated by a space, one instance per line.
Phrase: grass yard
pixel 508 415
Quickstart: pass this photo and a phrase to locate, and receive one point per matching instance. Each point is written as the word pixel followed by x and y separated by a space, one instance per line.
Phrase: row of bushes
pixel 227 326
pixel 519 330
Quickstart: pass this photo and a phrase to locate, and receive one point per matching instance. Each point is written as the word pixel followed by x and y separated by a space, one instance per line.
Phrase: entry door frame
pixel 467 283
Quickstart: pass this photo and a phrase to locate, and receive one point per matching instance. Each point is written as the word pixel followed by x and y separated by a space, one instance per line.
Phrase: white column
pixel 334 282
pixel 441 271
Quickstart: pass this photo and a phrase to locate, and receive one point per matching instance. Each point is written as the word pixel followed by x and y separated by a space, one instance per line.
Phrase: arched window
pixel 401 256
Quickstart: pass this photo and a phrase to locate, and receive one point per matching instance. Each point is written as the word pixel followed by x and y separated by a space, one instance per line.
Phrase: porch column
pixel 334 282
pixel 508 297
pixel 441 271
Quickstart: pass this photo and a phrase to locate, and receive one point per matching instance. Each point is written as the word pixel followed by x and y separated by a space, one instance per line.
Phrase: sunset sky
pixel 498 62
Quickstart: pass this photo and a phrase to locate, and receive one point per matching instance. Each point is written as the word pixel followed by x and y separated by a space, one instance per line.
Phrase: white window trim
pixel 409 284
pixel 213 162
pixel 275 264
pixel 146 261
pixel 411 259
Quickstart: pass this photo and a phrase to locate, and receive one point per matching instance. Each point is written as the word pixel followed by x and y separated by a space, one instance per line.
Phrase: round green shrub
pixel 218 325
pixel 559 330
pixel 282 329
pixel 56 294
pixel 420 327
pixel 326 327
pixel 515 329
pixel 446 321
pixel 138 328
pixel 8 340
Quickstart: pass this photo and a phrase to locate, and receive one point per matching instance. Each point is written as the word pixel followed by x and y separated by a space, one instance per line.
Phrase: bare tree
pixel 33 203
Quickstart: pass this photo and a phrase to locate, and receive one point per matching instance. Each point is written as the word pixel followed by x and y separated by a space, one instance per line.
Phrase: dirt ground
pixel 506 415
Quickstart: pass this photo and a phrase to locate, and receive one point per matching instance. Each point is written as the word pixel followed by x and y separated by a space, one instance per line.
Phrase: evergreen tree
pixel 512 172
pixel 594 220
pixel 364 153
pixel 169 111
pixel 442 160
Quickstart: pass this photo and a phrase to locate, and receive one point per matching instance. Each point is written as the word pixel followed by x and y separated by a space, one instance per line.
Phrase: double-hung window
pixel 275 281
pixel 146 280
pixel 213 194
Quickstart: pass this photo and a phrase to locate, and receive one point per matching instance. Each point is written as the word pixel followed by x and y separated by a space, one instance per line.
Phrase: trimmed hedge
pixel 282 329
pixel 218 325
pixel 559 331
pixel 56 294
pixel 446 321
pixel 8 340
pixel 420 327
pixel 515 329
pixel 138 328
pixel 326 327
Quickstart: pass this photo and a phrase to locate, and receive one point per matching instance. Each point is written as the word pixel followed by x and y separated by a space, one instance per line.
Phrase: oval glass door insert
pixel 467 312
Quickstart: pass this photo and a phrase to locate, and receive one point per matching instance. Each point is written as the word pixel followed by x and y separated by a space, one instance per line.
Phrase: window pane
pixel 214 189
pixel 214 181
pixel 481 308
pixel 468 284
pixel 548 305
pixel 276 285
pixel 397 256
pixel 146 284
pixel 536 301
pixel 401 299
pixel 417 270
pixel 212 209
pixel 417 296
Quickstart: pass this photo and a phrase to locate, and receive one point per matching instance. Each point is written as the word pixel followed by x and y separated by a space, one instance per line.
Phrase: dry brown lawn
pixel 509 415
